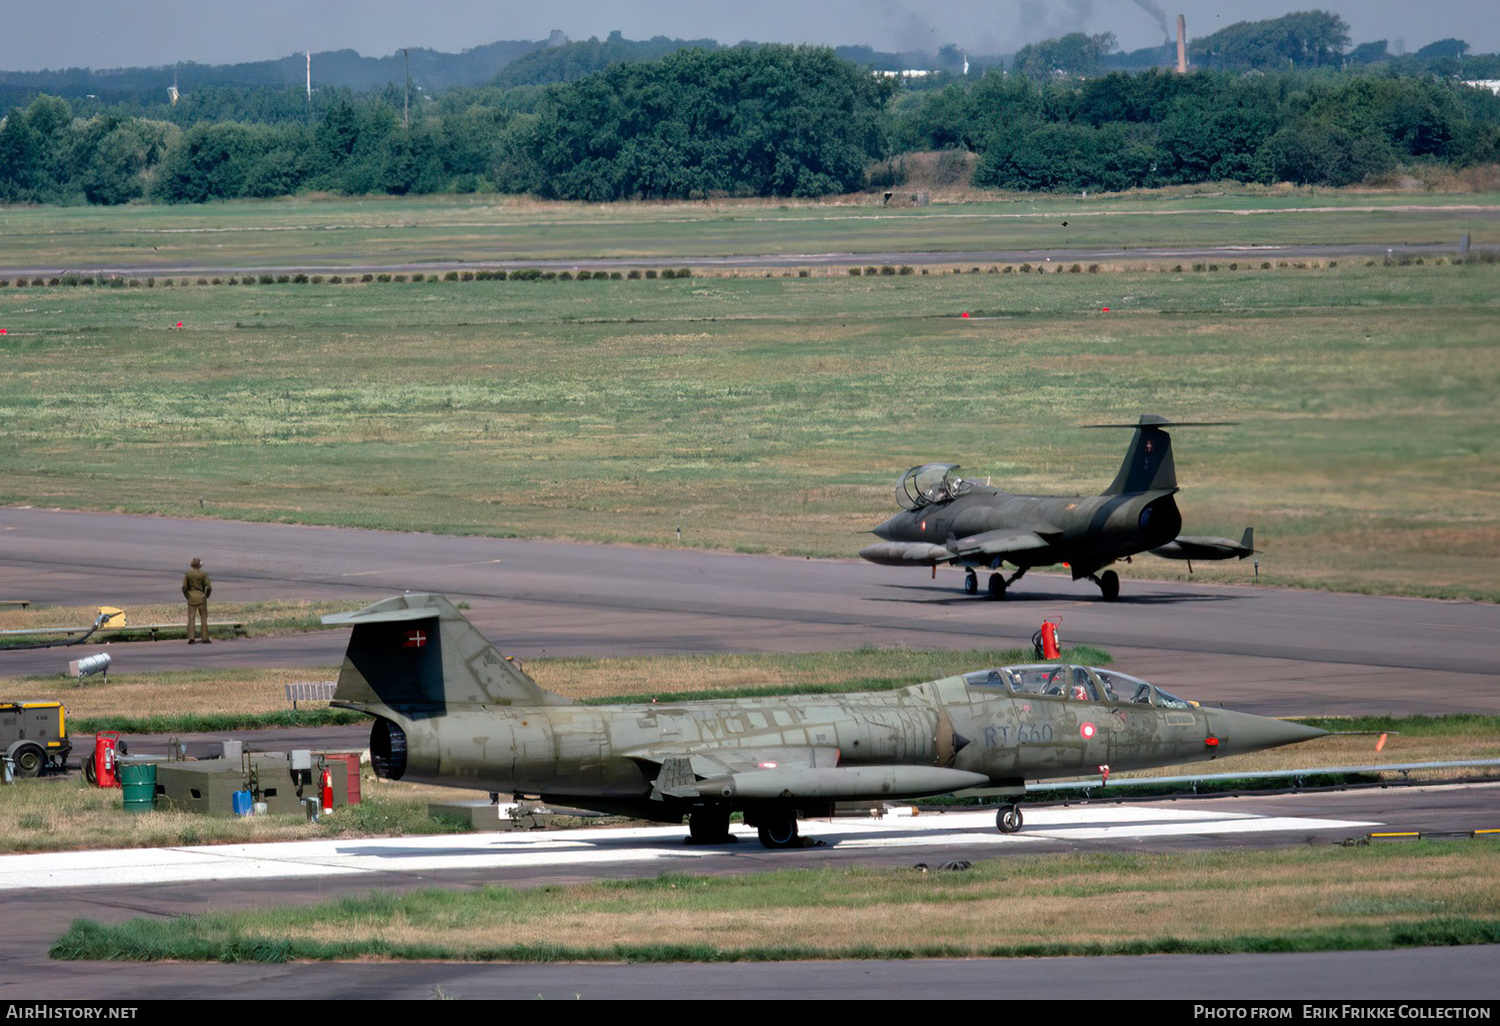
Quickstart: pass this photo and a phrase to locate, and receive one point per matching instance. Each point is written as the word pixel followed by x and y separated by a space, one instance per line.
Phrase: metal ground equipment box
pixel 279 780
pixel 34 736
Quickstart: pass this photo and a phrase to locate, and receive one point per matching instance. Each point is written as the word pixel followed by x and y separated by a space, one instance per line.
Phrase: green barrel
pixel 138 779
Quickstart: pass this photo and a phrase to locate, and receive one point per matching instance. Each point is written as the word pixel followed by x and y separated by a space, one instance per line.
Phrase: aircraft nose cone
pixel 1242 732
pixel 886 530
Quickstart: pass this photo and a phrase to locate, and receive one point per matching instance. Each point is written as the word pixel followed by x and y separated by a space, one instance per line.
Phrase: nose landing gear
pixel 1009 819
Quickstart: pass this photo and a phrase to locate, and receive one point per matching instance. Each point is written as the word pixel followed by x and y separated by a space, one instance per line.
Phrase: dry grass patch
pixel 52 814
pixel 166 693
pixel 261 619
pixel 68 815
pixel 1295 899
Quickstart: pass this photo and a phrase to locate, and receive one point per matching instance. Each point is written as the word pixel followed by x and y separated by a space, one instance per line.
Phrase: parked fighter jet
pixel 947 519
pixel 449 709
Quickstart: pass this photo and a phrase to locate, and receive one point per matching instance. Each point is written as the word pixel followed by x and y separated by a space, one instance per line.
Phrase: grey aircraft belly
pixel 450 709
pixel 947 519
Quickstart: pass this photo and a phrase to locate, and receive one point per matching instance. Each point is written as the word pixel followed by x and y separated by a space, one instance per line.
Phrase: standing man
pixel 196 587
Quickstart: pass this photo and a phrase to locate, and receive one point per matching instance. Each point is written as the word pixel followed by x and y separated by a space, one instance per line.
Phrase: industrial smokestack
pixel 1181 44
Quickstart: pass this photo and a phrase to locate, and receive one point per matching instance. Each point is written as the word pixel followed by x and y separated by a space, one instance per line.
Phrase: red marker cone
pixel 966 313
pixel 1106 309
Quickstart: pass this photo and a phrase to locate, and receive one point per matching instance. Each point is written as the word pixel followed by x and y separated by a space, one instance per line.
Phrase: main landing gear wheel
pixel 997 586
pixel 779 833
pixel 1109 585
pixel 1009 819
pixel 971 583
pixel 709 826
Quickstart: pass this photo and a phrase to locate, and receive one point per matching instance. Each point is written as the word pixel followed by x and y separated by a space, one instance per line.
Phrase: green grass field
pixel 773 414
pixel 336 232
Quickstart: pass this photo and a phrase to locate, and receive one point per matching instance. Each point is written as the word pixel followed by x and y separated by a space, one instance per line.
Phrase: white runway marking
pixel 560 848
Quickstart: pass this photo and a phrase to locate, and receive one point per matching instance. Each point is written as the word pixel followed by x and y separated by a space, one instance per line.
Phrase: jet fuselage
pixel 1085 531
pixel 933 737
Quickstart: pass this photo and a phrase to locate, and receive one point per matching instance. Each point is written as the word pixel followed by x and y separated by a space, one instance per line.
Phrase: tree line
pixel 1158 128
pixel 751 121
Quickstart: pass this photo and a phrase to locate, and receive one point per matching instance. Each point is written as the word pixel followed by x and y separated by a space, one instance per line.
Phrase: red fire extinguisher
pixel 1047 641
pixel 106 758
pixel 327 790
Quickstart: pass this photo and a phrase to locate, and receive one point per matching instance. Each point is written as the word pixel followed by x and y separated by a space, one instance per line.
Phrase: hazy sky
pixel 114 33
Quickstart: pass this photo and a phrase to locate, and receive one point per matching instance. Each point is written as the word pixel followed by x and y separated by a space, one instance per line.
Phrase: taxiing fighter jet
pixel 947 519
pixel 449 709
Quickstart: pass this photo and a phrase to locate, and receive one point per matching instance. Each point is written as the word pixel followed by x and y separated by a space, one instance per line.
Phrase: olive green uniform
pixel 196 587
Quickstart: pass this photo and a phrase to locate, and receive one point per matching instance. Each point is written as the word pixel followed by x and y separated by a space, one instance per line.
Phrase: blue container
pixel 242 802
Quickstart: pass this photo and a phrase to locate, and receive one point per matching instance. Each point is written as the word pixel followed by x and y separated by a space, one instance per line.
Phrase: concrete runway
pixel 1259 649
pixel 648 850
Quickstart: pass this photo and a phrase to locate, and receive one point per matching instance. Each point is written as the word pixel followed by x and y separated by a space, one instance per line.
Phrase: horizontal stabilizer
pixel 1156 420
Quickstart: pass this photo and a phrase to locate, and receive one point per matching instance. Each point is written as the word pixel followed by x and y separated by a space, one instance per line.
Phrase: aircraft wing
pixel 774 774
pixel 749 760
pixel 1008 541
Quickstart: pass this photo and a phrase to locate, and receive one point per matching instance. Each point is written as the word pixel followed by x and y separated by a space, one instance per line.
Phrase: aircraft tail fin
pixel 1148 465
pixel 417 654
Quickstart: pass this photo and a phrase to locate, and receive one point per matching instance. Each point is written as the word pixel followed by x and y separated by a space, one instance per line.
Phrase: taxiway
pixel 1263 650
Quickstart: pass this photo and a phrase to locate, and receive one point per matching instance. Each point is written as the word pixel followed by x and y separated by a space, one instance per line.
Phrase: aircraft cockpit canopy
pixel 930 483
pixel 1080 683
